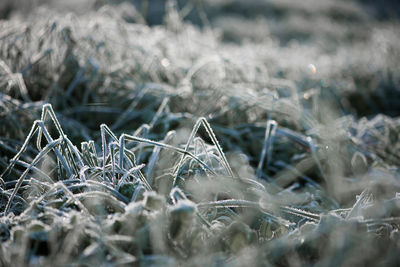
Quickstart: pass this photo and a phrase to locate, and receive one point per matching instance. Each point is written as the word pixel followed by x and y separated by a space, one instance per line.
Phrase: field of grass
pixel 199 133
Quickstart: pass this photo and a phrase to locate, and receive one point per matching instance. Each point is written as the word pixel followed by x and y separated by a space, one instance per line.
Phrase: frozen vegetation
pixel 199 133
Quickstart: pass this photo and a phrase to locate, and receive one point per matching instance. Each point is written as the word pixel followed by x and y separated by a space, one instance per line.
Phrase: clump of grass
pixel 209 209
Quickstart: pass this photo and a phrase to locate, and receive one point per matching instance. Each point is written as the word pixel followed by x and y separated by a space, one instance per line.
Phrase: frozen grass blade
pixel 166 146
pixel 23 148
pixel 215 142
pixel 42 153
pixel 155 156
pixel 301 213
pixel 39 171
pixel 159 112
pixel 127 174
pixel 121 152
pixel 47 109
pixel 362 199
pixel 37 125
pixel 104 149
pixel 60 157
pixel 111 148
pixel 22 87
pixel 104 130
pixel 206 125
pixel 267 145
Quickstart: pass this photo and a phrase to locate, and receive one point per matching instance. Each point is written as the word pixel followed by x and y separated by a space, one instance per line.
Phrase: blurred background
pixel 274 15
pixel 356 36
